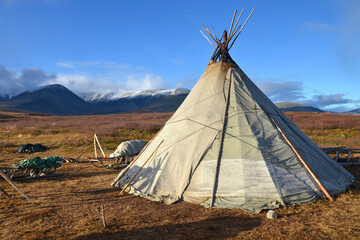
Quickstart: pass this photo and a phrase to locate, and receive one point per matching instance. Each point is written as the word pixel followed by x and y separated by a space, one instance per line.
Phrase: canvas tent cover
pixel 229 146
pixel 257 168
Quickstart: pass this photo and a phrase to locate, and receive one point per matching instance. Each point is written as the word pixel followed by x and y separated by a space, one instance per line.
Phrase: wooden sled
pixel 343 155
pixel 114 162
pixel 29 173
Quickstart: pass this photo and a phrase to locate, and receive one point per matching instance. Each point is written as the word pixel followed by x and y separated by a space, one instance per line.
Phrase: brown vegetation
pixel 69 207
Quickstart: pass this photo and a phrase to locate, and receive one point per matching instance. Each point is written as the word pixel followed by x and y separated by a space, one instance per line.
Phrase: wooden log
pixel 117 179
pixel 13 184
pixel 303 162
pixel 103 216
pixel 127 185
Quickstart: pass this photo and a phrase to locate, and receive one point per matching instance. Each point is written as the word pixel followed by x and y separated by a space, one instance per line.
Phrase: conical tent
pixel 229 146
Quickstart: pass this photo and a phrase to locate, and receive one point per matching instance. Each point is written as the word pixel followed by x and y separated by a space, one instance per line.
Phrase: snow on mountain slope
pixel 100 97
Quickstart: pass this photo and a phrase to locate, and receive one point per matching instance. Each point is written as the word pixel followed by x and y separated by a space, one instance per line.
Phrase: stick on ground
pixel 13 184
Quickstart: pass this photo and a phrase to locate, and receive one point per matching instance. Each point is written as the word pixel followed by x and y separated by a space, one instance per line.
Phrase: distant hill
pixel 52 99
pixel 158 100
pixel 296 107
pixel 58 100
pixel 167 104
pixel 356 111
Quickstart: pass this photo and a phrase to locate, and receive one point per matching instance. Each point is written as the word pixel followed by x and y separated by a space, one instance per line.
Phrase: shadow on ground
pixel 219 228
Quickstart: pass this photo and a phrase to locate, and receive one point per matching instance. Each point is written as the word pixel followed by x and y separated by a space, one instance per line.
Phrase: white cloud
pixel 327 100
pixel 28 79
pixel 65 65
pixel 113 77
pixel 97 65
pixel 281 91
pixel 319 27
pixel 80 83
pixel 44 1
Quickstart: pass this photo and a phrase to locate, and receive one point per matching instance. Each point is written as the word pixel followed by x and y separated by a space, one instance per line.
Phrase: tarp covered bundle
pixel 223 145
pixel 129 148
pixel 31 148
pixel 39 163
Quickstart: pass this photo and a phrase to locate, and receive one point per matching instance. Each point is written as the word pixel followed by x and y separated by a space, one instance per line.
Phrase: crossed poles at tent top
pixel 221 52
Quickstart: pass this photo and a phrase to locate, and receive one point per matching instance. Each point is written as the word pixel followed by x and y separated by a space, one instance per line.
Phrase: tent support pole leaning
pixel 13 184
pixel 133 161
pixel 303 162
pixel 97 140
pixel 141 168
pixel 220 148
pixel 95 151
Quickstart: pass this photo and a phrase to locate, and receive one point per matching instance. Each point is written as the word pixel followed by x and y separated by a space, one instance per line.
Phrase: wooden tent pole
pixel 220 148
pixel 207 30
pixel 214 33
pixel 13 184
pixel 122 192
pixel 208 39
pixel 95 151
pixel 117 179
pixel 97 140
pixel 242 28
pixel 303 162
pixel 236 28
pixel 232 23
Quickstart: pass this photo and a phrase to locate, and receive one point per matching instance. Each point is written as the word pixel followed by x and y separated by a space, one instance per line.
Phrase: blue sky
pixel 300 51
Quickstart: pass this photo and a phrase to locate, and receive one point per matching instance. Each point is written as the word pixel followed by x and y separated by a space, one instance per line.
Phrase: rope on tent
pixel 127 185
pixel 221 145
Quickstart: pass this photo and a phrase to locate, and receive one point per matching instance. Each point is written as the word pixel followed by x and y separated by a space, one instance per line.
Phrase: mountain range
pixel 58 100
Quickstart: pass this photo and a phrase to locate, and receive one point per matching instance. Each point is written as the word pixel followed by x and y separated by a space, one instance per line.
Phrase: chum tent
pixel 229 146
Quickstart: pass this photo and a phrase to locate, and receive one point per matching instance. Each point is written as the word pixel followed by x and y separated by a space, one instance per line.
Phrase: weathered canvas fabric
pixel 257 167
pixel 129 148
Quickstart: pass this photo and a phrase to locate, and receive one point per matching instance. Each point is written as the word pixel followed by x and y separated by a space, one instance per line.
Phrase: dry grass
pixel 321 121
pixel 68 207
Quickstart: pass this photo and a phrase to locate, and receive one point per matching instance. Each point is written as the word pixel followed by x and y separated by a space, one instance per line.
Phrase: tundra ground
pixel 68 207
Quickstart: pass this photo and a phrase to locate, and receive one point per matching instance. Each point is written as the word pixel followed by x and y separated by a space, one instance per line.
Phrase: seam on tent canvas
pixel 274 162
pixel 173 143
pixel 265 151
pixel 229 134
pixel 225 122
pixel 188 119
pixel 268 153
pixel 200 160
pixel 193 105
